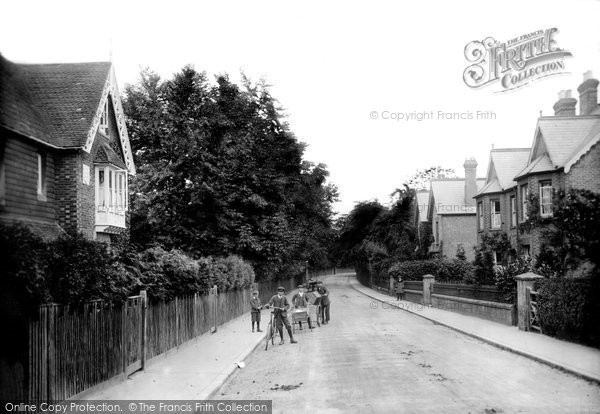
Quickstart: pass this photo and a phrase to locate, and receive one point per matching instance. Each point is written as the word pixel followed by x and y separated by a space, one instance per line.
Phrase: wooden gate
pixel 532 307
pixel 133 325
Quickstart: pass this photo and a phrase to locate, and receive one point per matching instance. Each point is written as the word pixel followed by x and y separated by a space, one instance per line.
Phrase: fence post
pixel 144 296
pixel 428 281
pixel 214 303
pixel 524 281
pixel 124 347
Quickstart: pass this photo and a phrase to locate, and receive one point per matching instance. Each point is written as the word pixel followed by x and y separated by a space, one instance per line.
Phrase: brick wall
pixel 67 175
pixel 586 173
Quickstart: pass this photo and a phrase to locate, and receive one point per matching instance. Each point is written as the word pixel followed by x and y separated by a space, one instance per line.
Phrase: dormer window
pixel 103 127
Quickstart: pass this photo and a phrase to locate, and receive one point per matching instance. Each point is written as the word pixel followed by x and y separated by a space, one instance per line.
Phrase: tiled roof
pixel 491 187
pixel 449 196
pixel 423 205
pixel 563 135
pixel 107 155
pixel 540 164
pixel 17 109
pixel 55 103
pixel 586 144
pixel 505 164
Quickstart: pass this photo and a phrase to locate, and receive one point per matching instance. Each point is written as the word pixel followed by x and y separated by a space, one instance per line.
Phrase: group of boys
pixel 281 305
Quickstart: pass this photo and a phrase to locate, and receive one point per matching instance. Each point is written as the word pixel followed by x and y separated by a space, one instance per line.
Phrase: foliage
pixel 220 173
pixel 505 277
pixel 484 259
pixel 570 308
pixel 80 269
pixel 377 234
pixel 24 264
pixel 73 269
pixel 421 179
pixel 442 269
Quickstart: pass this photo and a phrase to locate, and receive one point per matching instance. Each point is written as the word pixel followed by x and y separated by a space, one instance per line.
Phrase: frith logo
pixel 514 63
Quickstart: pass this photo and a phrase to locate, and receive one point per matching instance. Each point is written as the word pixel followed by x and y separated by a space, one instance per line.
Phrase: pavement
pixel 570 357
pixel 199 369
pixel 373 358
pixel 192 371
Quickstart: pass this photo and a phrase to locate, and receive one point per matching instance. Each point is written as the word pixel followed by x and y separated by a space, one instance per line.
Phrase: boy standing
pixel 281 305
pixel 256 306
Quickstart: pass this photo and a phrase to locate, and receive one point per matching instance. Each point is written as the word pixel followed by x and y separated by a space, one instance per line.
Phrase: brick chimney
pixel 470 181
pixel 565 106
pixel 588 94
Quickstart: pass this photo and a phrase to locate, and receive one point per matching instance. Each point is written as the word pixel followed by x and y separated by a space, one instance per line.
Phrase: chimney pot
pixel 565 106
pixel 588 94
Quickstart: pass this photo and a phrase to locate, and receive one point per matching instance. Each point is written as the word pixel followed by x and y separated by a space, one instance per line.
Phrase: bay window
pixel 480 215
pixel 111 195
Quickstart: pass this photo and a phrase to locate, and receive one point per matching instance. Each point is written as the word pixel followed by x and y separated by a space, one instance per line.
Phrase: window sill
pixel 42 197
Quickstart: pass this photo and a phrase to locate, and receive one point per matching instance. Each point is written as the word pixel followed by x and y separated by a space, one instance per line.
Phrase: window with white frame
pixel 546 198
pixel 480 215
pixel 41 176
pixel 524 201
pixel 111 187
pixel 496 219
pixel 513 211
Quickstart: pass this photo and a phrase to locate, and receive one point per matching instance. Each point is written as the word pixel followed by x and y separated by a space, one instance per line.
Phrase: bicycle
pixel 271 331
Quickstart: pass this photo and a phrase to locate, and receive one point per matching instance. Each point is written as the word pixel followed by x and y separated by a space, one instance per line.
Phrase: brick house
pixel 565 154
pixel 452 214
pixel 65 156
pixel 497 200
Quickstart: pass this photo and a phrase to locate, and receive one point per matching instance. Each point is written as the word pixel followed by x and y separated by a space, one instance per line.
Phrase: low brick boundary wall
pixel 503 313
pixel 415 296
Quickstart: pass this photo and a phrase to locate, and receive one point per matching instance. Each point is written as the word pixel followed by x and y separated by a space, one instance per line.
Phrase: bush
pixel 505 277
pixel 442 269
pixel 81 269
pixel 570 309
pixel 24 264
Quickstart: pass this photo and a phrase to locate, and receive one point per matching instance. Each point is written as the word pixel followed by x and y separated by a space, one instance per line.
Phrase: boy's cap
pixel 300 286
pixel 280 289
pixel 255 292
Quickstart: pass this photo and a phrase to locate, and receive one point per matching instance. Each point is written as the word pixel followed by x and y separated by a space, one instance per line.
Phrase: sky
pixel 341 70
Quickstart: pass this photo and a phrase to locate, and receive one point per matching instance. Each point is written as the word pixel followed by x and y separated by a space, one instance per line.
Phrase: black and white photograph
pixel 299 207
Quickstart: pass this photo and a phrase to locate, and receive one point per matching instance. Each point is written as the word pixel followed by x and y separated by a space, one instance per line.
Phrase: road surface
pixel 371 359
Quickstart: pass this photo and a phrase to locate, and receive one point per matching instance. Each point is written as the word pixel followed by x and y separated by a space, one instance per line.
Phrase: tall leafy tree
pixel 220 173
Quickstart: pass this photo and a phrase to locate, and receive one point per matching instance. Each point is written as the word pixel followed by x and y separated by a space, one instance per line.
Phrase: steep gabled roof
pixel 449 196
pixel 68 95
pixel 60 104
pixel 561 135
pixel 504 165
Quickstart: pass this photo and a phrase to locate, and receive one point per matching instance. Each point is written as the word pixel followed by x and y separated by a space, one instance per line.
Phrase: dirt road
pixel 370 359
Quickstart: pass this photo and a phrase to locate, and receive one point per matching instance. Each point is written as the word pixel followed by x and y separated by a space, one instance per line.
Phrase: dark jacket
pixel 255 304
pixel 324 295
pixel 277 302
pixel 300 301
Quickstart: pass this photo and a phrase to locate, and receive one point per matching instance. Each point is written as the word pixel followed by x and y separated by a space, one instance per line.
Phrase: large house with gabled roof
pixel 564 155
pixel 497 200
pixel 452 214
pixel 65 156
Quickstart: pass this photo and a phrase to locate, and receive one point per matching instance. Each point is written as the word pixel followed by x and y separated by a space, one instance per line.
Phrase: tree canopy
pixel 220 173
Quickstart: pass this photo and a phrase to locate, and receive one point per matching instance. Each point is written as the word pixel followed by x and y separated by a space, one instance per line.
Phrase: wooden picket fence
pixel 74 349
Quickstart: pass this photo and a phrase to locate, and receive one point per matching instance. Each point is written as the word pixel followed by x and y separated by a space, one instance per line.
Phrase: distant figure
pixel 256 306
pixel 325 303
pixel 281 305
pixel 399 289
